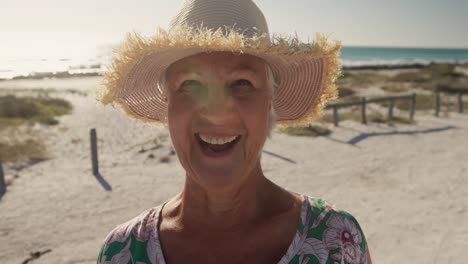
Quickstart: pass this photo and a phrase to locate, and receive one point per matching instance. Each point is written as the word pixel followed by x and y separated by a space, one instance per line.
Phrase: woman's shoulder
pixel 326 213
pixel 327 233
pixel 138 226
pixel 321 210
pixel 135 239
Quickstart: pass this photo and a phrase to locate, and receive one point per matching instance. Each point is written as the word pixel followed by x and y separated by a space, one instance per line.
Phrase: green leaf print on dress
pixel 324 235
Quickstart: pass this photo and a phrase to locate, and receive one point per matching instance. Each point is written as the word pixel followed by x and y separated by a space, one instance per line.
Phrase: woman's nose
pixel 217 103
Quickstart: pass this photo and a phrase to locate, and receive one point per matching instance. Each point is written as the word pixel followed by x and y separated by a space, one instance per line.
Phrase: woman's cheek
pixel 181 105
pixel 255 118
pixel 254 110
pixel 180 117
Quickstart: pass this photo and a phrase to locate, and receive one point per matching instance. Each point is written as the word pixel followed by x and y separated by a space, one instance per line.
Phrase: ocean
pixel 377 56
pixel 351 57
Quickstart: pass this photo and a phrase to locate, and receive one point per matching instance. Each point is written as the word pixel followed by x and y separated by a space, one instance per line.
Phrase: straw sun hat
pixel 304 72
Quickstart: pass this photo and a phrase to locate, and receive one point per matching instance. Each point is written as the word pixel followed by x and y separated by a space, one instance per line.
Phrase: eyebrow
pixel 188 70
pixel 242 67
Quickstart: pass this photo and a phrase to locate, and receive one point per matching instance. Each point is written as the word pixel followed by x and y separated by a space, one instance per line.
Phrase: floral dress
pixel 325 235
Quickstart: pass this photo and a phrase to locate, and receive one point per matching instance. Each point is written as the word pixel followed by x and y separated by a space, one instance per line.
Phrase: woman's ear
pixel 271 119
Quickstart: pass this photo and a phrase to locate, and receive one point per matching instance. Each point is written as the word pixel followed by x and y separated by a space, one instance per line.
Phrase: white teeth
pixel 217 140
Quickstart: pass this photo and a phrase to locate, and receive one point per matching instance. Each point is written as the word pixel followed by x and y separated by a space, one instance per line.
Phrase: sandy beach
pixel 406 184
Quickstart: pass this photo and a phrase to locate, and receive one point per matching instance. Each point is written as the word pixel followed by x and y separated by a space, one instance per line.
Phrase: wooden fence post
pixel 460 103
pixel 437 104
pixel 335 115
pixel 391 103
pixel 94 152
pixel 412 106
pixel 2 181
pixel 363 110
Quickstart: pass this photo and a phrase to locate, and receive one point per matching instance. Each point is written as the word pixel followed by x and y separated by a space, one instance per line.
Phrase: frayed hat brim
pixel 305 73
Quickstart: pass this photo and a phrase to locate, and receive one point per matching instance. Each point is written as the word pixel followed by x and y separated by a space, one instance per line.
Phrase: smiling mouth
pixel 216 145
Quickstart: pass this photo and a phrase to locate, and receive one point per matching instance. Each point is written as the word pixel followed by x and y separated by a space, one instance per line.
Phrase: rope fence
pixel 448 90
pixel 363 102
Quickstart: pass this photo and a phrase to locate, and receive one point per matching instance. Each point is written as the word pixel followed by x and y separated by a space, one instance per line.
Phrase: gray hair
pixel 272 85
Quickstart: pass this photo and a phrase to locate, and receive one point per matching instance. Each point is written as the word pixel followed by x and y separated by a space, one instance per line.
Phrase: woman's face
pixel 218 114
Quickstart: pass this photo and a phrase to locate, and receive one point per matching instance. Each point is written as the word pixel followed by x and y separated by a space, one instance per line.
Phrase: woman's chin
pixel 218 176
pixel 221 171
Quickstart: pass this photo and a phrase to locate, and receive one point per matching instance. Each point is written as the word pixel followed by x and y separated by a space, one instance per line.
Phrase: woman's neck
pixel 228 209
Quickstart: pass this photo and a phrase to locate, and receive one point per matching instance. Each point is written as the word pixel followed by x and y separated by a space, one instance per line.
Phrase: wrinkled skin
pixel 219 94
pixel 228 211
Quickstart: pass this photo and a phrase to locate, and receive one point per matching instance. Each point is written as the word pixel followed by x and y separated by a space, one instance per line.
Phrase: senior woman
pixel 220 83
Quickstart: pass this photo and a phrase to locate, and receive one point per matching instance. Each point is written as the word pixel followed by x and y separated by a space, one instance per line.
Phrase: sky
pixel 64 28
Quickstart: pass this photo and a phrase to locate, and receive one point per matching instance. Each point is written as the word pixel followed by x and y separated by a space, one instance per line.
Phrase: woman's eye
pixel 190 83
pixel 241 88
pixel 242 82
pixel 193 88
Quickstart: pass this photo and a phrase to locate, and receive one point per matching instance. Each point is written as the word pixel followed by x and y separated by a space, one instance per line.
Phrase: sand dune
pixel 407 185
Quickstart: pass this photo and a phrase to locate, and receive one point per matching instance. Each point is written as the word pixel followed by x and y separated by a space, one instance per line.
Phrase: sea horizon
pixel 352 56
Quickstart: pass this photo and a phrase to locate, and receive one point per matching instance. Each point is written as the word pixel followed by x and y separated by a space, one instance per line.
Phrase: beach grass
pixel 18 143
pixel 344 92
pixel 426 102
pixel 360 79
pixel 380 118
pixel 423 102
pixel 347 99
pixel 306 131
pixel 30 150
pixel 412 77
pixel 328 118
pixel 431 76
pixel 43 110
pixel 395 88
pixel 443 69
pixel 5 122
pixel 373 117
